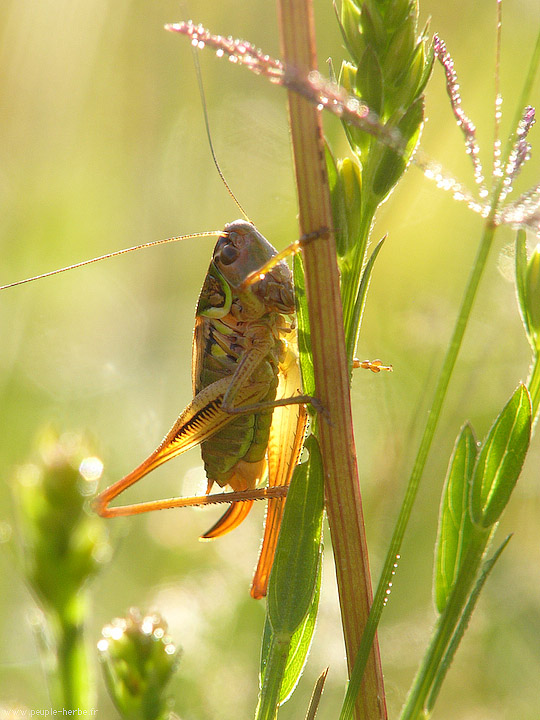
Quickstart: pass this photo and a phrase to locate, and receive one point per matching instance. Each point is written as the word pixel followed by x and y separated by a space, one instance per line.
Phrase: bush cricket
pixel 247 412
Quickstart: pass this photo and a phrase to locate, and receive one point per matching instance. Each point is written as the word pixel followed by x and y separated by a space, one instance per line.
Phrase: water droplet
pixel 147 625
pixel 117 632
pixel 91 468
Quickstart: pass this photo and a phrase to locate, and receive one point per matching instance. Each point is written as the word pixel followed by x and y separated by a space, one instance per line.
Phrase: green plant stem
pixel 342 489
pixel 273 676
pixel 445 628
pixel 65 658
pixel 72 667
pixel 434 413
pixel 351 321
pixel 461 627
pixel 420 462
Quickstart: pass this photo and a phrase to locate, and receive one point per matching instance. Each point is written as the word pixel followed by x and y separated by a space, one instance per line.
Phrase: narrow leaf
pixel 293 590
pixel 300 645
pixel 294 575
pixel 533 298
pixel 360 302
pixel 455 524
pixel 369 80
pixel 521 277
pixel 392 164
pixel 316 695
pixel 298 650
pixel 501 459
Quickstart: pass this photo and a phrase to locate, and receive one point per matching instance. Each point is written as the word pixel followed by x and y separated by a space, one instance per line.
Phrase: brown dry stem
pixel 342 489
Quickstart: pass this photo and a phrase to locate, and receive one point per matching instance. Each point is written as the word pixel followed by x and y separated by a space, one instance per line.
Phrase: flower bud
pixel 138 659
pixel 63 544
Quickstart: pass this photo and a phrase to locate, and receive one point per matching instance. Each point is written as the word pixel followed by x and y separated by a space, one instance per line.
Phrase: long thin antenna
pixel 208 134
pixel 209 233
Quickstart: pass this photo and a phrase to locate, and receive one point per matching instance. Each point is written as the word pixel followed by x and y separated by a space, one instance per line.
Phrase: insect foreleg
pixel 249 362
pixel 291 249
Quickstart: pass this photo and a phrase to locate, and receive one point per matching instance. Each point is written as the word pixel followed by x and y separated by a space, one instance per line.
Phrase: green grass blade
pixel 316 696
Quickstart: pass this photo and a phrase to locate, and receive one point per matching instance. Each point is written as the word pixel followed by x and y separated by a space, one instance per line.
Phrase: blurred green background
pixel 102 146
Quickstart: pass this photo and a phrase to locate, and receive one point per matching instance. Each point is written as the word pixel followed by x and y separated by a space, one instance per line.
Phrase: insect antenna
pixel 153 243
pixel 209 134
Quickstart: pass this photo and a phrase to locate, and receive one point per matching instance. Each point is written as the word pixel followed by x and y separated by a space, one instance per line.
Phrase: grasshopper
pixel 245 373
pixel 247 413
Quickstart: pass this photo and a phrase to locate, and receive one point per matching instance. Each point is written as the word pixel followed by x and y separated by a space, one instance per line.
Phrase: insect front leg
pixel 248 364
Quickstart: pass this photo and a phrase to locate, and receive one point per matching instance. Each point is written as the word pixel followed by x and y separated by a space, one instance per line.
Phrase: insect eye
pixel 228 254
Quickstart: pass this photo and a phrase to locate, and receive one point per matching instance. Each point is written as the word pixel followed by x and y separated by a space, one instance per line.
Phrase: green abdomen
pixel 246 436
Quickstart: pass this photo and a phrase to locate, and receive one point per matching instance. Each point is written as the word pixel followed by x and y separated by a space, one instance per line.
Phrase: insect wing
pixel 284 447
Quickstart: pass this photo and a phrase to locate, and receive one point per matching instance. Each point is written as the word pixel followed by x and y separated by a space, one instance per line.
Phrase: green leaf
pixel 299 646
pixel 369 81
pixel 360 301
pixel 295 571
pixel 345 181
pixel 392 164
pixel 350 28
pixel 396 13
pixel 533 298
pixel 427 68
pixel 521 278
pixel 455 526
pixel 293 589
pixel 402 45
pixel 372 26
pixel 501 459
